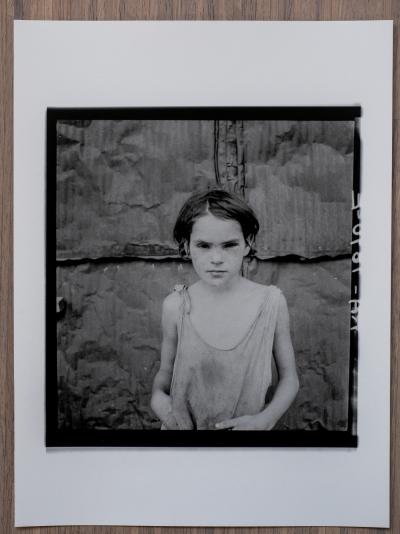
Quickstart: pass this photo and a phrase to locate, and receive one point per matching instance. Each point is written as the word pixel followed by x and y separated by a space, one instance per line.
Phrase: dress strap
pixel 182 289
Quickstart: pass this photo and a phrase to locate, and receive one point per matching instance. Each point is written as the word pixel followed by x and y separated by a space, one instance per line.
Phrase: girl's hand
pixel 246 422
pixel 162 407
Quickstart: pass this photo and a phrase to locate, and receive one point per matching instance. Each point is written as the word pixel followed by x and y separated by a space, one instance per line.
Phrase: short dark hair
pixel 221 204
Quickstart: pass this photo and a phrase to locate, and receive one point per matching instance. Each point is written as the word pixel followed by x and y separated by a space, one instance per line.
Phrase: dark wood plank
pixel 180 10
pixel 6 265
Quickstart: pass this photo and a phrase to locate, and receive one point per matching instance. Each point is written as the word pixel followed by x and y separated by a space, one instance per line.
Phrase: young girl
pixel 219 334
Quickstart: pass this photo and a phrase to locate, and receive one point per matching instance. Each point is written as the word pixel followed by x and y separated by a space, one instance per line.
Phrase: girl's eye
pixel 230 245
pixel 202 245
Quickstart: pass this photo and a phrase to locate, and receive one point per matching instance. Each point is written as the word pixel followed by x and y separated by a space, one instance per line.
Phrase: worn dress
pixel 209 384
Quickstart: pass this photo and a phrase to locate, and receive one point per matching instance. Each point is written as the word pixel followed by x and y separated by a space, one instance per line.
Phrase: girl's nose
pixel 216 257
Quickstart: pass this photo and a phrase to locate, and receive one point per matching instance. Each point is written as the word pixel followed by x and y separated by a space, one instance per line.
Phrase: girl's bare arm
pixel 160 400
pixel 288 384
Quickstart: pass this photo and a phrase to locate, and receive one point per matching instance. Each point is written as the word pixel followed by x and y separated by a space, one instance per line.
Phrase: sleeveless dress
pixel 209 384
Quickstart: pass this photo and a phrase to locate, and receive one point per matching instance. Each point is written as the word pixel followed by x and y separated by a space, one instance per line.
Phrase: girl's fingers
pixel 243 422
pixel 229 423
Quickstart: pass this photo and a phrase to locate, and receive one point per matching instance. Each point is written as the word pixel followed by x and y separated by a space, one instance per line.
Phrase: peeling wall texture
pixel 120 185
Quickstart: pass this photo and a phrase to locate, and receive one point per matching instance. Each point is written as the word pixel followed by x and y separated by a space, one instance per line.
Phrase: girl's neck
pixel 222 291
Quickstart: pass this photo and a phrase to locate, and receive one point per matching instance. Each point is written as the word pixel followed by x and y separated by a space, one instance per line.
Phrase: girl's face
pixel 217 248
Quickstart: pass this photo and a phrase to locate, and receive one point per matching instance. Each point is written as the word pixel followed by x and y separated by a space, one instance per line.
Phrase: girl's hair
pixel 221 204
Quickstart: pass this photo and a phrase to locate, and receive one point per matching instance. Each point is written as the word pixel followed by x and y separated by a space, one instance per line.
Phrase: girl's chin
pixel 220 281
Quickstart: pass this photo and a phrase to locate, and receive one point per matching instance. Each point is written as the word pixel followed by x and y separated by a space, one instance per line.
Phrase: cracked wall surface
pixel 120 185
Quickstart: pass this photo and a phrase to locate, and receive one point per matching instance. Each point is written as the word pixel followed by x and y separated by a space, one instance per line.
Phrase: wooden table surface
pixel 179 10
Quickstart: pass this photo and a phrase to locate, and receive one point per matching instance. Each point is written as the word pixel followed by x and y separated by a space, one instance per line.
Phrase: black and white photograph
pixel 204 267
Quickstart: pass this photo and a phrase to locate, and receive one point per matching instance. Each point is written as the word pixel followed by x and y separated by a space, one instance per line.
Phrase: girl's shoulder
pixel 173 302
pixel 257 288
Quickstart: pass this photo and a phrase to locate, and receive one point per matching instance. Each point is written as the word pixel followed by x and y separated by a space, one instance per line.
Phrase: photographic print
pixel 204 267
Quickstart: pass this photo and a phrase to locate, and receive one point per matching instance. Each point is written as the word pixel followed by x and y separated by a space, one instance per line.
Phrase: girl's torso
pixel 222 367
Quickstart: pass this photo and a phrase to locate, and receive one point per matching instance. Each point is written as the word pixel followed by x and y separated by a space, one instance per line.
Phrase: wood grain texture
pixel 180 10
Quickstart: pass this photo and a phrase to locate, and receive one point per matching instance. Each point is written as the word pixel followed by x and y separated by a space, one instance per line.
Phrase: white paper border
pixel 66 64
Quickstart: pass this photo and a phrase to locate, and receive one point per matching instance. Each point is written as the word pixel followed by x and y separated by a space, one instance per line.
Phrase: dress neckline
pixel 247 333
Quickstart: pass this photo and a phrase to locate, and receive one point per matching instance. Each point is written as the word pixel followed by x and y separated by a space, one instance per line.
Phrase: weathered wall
pixel 299 184
pixel 120 184
pixel 119 187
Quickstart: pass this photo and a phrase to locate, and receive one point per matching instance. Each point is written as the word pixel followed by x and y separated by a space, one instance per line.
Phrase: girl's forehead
pixel 209 227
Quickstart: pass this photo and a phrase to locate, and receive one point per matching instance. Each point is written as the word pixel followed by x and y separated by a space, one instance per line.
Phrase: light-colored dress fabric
pixel 210 385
